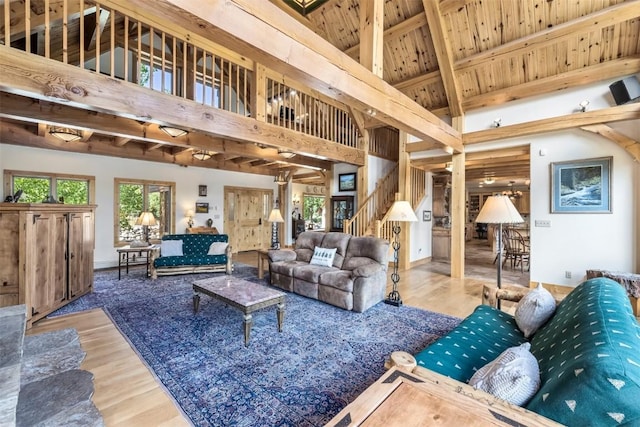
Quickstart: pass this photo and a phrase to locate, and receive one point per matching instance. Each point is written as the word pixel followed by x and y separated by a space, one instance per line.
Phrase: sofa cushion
pixel 171 248
pixel 476 341
pixel 323 256
pixel 285 267
pixel 513 376
pixel 534 309
pixel 306 242
pixel 366 250
pixel 589 356
pixel 337 279
pixel 339 241
pixel 311 273
pixel 176 261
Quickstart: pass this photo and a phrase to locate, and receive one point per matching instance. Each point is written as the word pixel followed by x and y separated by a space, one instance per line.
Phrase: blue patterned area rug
pixel 321 361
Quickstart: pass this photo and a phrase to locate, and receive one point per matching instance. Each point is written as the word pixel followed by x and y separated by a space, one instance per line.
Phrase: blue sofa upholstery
pixel 588 354
pixel 194 258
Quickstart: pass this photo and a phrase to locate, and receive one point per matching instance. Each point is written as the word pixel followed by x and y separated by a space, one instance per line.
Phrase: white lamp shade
pixel 275 216
pixel 402 211
pixel 146 218
pixel 499 210
pixel 190 213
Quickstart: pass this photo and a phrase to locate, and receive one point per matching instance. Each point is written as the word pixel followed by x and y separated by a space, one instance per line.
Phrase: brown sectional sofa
pixel 356 281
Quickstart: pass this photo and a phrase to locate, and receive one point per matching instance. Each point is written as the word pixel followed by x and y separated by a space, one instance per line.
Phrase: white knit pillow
pixel 323 256
pixel 218 248
pixel 534 309
pixel 171 248
pixel 513 376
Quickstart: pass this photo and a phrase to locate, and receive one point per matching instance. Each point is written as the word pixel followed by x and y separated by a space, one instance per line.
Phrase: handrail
pixel 361 223
pixel 383 227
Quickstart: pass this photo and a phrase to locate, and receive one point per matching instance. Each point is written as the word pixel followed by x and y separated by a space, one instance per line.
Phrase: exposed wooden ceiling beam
pixel 607 115
pixel 442 47
pixel 398 30
pixel 590 23
pixel 418 81
pixel 630 145
pixel 583 76
pixel 11 133
pixel 292 49
pixel 37 77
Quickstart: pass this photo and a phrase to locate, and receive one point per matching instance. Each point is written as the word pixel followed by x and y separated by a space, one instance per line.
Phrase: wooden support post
pixel 458 209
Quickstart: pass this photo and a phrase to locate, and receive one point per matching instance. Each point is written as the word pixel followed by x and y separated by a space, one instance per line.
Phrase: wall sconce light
pixel 65 134
pixel 202 155
pixel 371 112
pixel 190 215
pixel 173 132
pixel 448 166
pixel 497 122
pixel 287 154
pixel 583 105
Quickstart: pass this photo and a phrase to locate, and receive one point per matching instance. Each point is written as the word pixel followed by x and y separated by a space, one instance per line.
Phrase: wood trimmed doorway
pixel 245 220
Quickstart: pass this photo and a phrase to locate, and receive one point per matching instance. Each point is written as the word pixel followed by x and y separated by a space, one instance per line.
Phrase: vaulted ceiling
pixel 450 57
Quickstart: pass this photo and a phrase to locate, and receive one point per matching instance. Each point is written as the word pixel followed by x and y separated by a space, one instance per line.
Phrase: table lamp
pixel 499 210
pixel 190 215
pixel 401 211
pixel 145 220
pixel 275 217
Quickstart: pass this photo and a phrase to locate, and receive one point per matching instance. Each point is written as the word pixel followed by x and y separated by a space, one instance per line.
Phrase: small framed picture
pixel 581 186
pixel 426 215
pixel 202 190
pixel 347 182
pixel 202 207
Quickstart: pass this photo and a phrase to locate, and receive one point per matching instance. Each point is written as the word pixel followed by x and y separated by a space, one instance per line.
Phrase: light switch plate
pixel 543 223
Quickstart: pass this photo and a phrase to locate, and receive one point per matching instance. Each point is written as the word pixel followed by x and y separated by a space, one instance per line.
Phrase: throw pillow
pixel 218 248
pixel 171 248
pixel 323 256
pixel 513 376
pixel 534 309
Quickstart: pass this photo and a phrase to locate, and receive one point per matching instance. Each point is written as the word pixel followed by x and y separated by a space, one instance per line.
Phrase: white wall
pixel 421 235
pixel 105 169
pixel 574 242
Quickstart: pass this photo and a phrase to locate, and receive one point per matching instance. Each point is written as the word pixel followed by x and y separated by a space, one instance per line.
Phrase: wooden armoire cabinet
pixel 47 253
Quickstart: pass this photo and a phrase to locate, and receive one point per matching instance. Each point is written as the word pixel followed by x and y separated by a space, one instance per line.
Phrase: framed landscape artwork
pixel 347 182
pixel 581 186
pixel 202 207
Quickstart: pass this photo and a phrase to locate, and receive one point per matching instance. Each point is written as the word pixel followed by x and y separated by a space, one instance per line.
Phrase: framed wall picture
pixel 426 215
pixel 202 190
pixel 347 182
pixel 202 207
pixel 581 186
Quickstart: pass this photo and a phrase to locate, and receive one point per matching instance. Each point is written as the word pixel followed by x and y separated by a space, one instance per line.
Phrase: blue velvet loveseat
pixel 198 253
pixel 588 354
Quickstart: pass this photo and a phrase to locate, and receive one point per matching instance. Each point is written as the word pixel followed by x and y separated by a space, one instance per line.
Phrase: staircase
pixel 370 219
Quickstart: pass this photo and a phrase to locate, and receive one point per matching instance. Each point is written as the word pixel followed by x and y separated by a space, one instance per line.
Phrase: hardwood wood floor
pixel 127 394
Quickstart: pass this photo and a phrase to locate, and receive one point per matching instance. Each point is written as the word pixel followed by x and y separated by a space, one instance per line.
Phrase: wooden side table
pixel 405 399
pixel 129 256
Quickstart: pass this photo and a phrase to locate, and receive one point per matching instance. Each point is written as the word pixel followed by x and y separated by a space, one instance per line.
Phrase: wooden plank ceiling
pixel 497 51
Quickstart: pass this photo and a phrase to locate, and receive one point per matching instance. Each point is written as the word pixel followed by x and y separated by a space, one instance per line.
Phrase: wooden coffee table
pixel 241 294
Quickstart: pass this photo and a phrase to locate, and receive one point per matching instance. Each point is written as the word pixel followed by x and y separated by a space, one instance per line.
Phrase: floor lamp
pixel 146 219
pixel 499 210
pixel 275 217
pixel 401 211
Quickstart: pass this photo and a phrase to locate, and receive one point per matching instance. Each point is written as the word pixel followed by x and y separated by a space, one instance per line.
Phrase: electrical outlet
pixel 567 274
pixel 543 223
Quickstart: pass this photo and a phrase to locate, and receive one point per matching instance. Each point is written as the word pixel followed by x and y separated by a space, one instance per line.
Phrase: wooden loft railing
pixel 100 38
pixel 375 206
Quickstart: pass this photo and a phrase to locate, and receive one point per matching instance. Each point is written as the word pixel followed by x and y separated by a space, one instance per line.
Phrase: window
pixel 40 186
pixel 136 196
pixel 313 208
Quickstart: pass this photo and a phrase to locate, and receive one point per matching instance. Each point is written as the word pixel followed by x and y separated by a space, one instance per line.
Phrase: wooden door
pixel 246 213
pixel 81 243
pixel 45 266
